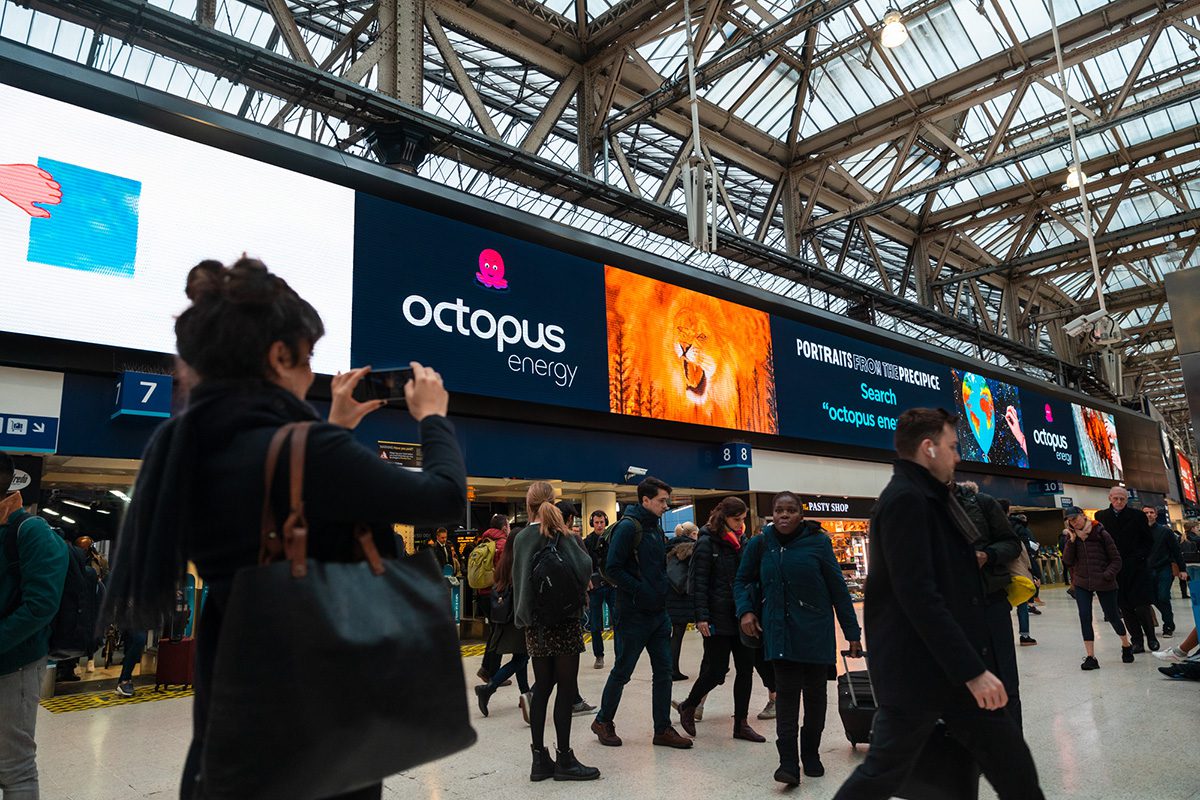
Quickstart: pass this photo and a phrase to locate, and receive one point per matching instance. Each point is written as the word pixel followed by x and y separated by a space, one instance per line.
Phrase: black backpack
pixel 557 592
pixel 73 631
pixel 681 570
pixel 605 542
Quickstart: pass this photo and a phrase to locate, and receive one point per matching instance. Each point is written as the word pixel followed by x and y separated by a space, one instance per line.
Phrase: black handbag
pixel 313 691
pixel 945 770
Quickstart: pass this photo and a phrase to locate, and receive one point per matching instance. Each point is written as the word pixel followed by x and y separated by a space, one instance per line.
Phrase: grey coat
pixel 527 543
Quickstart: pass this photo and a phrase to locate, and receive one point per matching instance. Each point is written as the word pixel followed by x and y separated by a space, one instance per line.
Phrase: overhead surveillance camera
pixel 1081 325
pixel 635 472
pixel 1107 331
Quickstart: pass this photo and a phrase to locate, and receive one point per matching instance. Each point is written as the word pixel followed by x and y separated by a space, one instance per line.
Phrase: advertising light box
pixel 837 389
pixel 990 425
pixel 1050 433
pixel 1099 451
pixel 493 314
pixel 1187 480
pixel 101 220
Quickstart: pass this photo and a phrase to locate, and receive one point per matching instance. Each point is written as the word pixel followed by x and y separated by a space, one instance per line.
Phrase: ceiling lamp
pixel 894 32
pixel 1076 177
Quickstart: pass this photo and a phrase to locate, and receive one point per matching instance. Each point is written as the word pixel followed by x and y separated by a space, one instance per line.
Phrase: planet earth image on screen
pixel 980 409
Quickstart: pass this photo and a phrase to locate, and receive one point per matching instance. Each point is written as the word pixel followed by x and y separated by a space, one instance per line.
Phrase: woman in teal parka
pixel 787 589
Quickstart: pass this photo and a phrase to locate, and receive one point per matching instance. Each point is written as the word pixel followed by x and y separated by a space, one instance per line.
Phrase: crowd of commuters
pixel 945 558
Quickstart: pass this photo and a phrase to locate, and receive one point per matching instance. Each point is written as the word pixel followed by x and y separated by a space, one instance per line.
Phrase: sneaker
pixel 525 703
pixel 599 663
pixel 1090 663
pixel 1172 655
pixel 582 707
pixel 125 689
pixel 1168 632
pixel 1035 610
pixel 1171 671
pixel 671 738
pixel 1028 641
pixel 768 711
pixel 1127 655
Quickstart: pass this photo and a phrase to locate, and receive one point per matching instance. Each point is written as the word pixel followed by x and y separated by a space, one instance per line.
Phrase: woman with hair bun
pixel 247 341
pixel 553 647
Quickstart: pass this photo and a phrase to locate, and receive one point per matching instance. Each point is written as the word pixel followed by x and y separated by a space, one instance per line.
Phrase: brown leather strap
pixel 271 545
pixel 295 530
pixel 366 543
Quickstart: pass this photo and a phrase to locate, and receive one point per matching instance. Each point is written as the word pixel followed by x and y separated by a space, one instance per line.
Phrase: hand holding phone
pixel 346 410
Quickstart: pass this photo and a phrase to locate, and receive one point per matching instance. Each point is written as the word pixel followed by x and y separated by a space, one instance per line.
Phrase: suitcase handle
pixel 849 682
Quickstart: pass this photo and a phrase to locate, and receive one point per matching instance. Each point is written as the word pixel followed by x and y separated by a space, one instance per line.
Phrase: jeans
pixel 518 667
pixel 1164 579
pixel 638 631
pixel 19 695
pixel 714 668
pixel 1108 602
pixel 1023 618
pixel 597 600
pixel 797 681
pixel 135 643
pixel 899 734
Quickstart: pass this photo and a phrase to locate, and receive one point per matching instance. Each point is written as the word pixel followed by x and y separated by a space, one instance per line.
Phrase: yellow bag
pixel 1020 590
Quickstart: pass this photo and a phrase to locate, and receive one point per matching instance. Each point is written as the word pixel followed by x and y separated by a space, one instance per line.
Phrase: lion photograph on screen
pixel 680 355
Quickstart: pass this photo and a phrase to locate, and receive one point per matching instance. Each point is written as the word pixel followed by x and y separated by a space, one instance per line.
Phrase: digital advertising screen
pixel 1050 433
pixel 1099 451
pixel 834 388
pixel 680 355
pixel 990 424
pixel 1187 480
pixel 101 220
pixel 495 315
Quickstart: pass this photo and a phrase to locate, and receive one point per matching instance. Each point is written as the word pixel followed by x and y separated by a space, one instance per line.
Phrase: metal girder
pixel 1116 302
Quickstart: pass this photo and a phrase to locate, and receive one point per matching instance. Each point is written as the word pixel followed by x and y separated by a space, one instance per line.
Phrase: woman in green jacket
pixel 788 587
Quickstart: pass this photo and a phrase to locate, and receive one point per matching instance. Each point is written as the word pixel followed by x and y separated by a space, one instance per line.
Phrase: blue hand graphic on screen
pixel 94 228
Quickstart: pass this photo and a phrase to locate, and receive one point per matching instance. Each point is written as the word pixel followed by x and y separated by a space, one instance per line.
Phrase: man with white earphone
pixel 932 654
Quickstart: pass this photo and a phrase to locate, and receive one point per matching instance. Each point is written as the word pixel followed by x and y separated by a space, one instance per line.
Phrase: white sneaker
pixel 1172 655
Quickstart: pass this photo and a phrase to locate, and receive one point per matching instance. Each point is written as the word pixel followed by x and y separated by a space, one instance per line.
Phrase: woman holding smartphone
pixel 1094 560
pixel 788 588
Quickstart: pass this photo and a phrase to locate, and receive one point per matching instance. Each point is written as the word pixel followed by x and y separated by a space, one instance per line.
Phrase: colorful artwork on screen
pixel 990 424
pixel 1187 480
pixel 1099 452
pixel 679 355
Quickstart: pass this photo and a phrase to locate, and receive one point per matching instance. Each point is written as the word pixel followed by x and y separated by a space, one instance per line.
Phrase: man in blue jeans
pixel 601 594
pixel 1164 560
pixel 637 564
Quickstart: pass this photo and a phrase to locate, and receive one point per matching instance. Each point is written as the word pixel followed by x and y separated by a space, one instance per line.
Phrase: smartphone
pixel 384 384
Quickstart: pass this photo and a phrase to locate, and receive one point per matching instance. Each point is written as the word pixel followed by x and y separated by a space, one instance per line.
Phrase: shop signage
pixel 819 507
pixel 402 454
pixel 1044 488
pixel 735 455
pixel 142 394
pixel 1066 502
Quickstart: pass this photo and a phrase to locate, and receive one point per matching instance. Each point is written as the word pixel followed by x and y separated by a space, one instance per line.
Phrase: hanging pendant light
pixel 1076 177
pixel 895 32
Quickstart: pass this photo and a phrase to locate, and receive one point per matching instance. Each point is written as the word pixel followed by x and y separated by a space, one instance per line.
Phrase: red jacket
pixel 1094 561
pixel 501 539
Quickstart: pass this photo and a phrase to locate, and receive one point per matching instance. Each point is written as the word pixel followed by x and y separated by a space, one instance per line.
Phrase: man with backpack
pixel 29 600
pixel 635 561
pixel 481 566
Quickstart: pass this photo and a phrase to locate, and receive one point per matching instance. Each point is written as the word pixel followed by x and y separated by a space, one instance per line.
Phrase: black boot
pixel 568 768
pixel 789 762
pixel 810 752
pixel 482 695
pixel 543 765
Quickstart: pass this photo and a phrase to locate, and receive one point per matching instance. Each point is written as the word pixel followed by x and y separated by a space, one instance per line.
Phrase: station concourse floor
pixel 1118 733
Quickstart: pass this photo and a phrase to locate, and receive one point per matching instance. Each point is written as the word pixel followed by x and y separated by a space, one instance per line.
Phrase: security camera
pixel 635 472
pixel 1081 325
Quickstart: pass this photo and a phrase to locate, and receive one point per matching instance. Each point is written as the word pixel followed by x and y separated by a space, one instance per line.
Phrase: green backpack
pixel 481 565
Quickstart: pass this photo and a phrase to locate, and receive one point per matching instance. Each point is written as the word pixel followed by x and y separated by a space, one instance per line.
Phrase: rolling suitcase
pixel 856 702
pixel 176 663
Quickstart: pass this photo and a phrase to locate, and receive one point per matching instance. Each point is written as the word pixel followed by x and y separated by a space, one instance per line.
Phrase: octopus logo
pixel 491 271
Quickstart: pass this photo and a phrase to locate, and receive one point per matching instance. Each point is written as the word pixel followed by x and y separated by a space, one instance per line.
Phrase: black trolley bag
pixel 856 702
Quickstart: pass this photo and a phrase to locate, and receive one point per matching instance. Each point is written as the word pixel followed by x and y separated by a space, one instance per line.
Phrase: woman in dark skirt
pixel 554 648
pixel 504 636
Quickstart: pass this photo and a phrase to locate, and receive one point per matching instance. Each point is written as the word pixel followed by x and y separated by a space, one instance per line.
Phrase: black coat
pixel 1131 533
pixel 716 566
pixel 927 624
pixel 681 607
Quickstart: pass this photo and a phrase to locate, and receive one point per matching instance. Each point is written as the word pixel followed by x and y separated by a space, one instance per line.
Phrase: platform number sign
pixel 735 455
pixel 142 394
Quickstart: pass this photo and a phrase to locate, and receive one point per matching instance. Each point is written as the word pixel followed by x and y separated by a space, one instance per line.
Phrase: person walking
pixel 1189 548
pixel 637 563
pixel 1019 523
pixel 789 588
pixel 443 551
pixel 1165 563
pixel 1095 564
pixel 932 656
pixel 28 604
pixel 1131 533
pixel 505 637
pixel 570 515
pixel 492 541
pixel 601 594
pixel 717 554
pixel 681 604
pixel 248 339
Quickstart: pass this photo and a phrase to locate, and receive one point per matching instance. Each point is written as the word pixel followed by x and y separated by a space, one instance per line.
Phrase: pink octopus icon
pixel 491 271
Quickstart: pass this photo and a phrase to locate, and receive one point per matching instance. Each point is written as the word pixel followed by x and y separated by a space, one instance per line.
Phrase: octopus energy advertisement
pixel 837 389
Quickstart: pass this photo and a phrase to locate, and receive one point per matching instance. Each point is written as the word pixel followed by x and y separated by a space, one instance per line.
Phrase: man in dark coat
pixel 1131 532
pixel 932 650
pixel 1165 562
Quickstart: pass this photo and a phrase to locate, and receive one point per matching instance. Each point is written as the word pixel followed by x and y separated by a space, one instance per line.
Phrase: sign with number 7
pixel 142 394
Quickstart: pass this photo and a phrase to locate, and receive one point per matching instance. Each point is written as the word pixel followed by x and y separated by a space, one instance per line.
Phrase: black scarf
pixel 149 561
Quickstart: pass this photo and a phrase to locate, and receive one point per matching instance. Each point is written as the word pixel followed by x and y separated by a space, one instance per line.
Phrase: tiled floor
pixel 1118 733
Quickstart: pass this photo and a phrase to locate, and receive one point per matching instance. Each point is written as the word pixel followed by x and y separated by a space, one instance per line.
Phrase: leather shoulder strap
pixel 295 528
pixel 271 543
